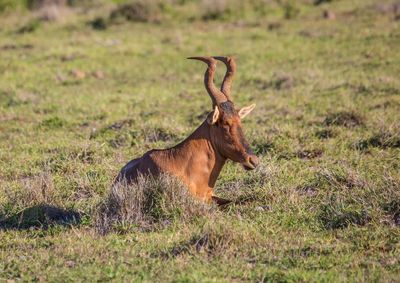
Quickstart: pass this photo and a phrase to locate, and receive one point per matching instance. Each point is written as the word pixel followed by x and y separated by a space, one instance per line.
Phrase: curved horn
pixel 216 95
pixel 230 72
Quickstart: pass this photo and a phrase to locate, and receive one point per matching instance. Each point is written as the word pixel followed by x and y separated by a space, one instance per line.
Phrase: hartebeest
pixel 198 160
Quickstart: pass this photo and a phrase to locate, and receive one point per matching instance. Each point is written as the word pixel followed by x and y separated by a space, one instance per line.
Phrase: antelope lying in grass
pixel 198 160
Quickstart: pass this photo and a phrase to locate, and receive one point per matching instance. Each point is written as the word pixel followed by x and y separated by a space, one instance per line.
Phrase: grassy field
pixel 84 93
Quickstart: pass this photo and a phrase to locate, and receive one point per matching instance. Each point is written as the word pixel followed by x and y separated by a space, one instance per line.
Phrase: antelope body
pixel 198 160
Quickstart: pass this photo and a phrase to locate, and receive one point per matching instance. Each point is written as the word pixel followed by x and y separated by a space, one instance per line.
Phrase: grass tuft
pixel 382 139
pixel 345 118
pixel 53 123
pixel 138 11
pixel 337 213
pixel 149 204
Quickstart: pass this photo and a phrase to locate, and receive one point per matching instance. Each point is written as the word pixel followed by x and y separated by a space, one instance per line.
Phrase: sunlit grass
pixel 77 103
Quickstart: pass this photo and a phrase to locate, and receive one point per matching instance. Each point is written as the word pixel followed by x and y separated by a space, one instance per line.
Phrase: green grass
pixel 323 206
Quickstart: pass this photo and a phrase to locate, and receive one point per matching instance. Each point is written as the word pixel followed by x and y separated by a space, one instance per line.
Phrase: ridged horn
pixel 216 95
pixel 230 72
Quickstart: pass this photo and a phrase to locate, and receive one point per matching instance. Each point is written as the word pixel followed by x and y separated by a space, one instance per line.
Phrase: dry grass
pixel 148 204
pixel 213 10
pixel 324 205
pixel 35 190
pixel 138 11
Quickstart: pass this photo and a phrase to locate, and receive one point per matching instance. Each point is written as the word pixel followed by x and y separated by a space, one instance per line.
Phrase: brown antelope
pixel 198 160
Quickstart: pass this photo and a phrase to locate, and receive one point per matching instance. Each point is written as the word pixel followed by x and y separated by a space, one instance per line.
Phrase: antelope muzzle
pixel 251 162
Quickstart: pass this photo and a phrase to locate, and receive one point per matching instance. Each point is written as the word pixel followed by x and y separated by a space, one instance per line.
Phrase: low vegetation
pixel 148 204
pixel 88 85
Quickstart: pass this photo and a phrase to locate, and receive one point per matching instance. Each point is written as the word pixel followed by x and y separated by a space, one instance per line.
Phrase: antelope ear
pixel 212 120
pixel 246 111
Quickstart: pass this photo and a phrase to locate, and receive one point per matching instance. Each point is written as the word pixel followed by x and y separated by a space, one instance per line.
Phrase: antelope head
pixel 226 131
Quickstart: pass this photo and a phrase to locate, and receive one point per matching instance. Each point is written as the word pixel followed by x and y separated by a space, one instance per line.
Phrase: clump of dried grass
pixel 38 189
pixel 347 119
pixel 34 205
pixel 214 10
pixel 149 11
pixel 148 204
pixel 385 138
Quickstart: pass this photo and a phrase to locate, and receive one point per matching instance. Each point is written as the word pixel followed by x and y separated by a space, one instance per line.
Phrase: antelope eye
pixel 226 127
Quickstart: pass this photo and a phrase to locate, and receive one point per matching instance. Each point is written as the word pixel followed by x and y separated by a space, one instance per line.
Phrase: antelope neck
pixel 196 146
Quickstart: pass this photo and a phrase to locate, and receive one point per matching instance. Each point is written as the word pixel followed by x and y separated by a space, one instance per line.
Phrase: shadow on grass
pixel 40 216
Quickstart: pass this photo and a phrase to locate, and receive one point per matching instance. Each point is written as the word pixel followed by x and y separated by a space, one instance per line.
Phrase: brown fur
pixel 198 160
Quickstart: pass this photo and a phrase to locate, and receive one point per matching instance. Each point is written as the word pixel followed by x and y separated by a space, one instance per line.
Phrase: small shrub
pixel 150 203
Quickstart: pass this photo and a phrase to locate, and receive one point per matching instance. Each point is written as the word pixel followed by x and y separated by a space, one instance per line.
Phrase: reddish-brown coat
pixel 198 160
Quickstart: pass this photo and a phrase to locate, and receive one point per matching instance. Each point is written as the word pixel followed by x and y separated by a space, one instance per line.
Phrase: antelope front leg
pixel 206 194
